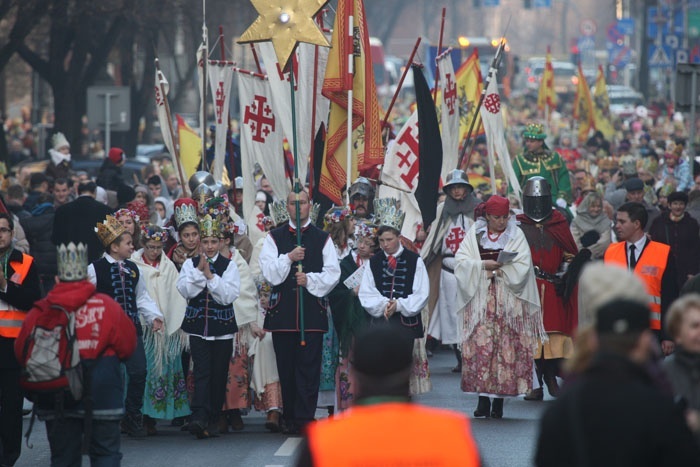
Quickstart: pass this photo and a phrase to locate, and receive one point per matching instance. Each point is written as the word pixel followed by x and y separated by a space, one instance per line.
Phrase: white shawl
pixel 517 298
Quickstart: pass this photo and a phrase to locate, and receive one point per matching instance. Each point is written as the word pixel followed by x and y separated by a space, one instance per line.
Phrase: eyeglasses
pixel 4 230
pixel 153 247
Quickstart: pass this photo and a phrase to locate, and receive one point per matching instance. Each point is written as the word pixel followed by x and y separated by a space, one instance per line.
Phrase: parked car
pixel 132 169
pixel 565 76
pixel 624 100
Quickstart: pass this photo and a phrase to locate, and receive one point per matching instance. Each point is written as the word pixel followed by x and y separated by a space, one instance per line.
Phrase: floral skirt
pixel 238 381
pixel 165 396
pixel 496 359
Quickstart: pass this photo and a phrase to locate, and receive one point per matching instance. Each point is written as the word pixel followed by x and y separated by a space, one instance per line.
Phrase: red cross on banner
pixel 450 93
pixel 219 101
pixel 259 224
pixel 454 239
pixel 408 156
pixel 260 118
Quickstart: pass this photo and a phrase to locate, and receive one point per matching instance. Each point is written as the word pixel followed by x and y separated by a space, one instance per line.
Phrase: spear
pixel 494 66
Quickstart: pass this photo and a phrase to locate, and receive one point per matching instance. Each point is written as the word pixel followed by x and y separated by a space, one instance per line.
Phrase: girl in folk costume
pixel 211 283
pixel 131 221
pixel 265 380
pixel 187 224
pixel 246 309
pixel 454 217
pixel 395 287
pixel 349 318
pixel 501 313
pixel 339 224
pixel 166 393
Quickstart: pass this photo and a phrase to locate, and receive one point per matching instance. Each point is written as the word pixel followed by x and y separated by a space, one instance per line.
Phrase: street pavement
pixel 509 442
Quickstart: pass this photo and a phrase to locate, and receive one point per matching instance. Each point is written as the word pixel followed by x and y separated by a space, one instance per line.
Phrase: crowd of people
pixel 228 312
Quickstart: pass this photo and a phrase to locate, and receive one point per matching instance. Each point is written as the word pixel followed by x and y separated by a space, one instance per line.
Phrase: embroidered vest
pixel 120 285
pixel 282 313
pixel 204 316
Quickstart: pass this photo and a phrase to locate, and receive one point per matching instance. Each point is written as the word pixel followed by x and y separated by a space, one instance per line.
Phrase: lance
pixel 494 66
pixel 380 182
pixel 229 133
pixel 203 110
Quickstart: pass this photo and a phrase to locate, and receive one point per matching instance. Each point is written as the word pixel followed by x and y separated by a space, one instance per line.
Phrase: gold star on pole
pixel 285 23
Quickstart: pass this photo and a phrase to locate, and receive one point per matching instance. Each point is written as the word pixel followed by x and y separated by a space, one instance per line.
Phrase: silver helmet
pixel 537 199
pixel 457 177
pixel 361 187
pixel 200 178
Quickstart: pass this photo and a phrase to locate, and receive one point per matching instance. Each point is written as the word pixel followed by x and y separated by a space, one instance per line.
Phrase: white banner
pixel 449 114
pixel 261 139
pixel 496 138
pixel 220 77
pixel 306 60
pixel 401 170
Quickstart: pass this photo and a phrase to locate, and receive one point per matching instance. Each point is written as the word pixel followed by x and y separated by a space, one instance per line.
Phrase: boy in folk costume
pixel 395 286
pixel 210 283
pixel 454 217
pixel 115 275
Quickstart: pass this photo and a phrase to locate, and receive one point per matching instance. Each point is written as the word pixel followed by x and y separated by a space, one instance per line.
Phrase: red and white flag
pixel 449 114
pixel 261 139
pixel 309 65
pixel 496 137
pixel 400 169
pixel 220 77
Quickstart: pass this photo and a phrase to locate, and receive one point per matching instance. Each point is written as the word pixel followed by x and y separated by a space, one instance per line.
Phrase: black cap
pixel 634 184
pixel 678 196
pixel 622 317
pixel 383 350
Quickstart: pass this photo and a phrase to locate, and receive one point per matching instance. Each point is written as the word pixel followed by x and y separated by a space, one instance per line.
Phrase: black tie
pixel 633 258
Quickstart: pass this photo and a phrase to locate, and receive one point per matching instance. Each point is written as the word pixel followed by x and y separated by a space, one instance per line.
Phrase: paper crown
pixel 59 141
pixel 534 131
pixel 314 212
pixel 210 227
pixel 72 261
pixel 388 214
pixel 628 164
pixel 185 212
pixel 154 233
pixel 278 212
pixel 109 230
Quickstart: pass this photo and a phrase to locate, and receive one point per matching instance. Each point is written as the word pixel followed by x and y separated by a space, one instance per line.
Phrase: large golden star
pixel 285 23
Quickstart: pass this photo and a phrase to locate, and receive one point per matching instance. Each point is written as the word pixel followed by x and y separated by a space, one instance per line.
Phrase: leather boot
pixel 551 370
pixel 458 354
pixel 534 395
pixel 497 407
pixel 483 408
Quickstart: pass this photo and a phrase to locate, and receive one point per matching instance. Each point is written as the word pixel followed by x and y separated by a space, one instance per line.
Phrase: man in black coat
pixel 75 221
pixel 614 414
pixel 38 228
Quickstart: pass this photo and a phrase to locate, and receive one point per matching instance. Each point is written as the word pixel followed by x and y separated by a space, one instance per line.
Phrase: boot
pixel 483 407
pixel 235 420
pixel 458 354
pixel 273 421
pixel 551 370
pixel 150 425
pixel 534 395
pixel 223 423
pixel 497 407
pixel 134 425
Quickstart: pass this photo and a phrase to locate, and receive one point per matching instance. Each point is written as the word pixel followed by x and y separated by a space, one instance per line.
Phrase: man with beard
pixel 553 248
pixel 361 195
pixel 454 217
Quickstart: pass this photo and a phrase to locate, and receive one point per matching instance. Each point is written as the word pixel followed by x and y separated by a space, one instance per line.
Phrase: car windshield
pixel 625 100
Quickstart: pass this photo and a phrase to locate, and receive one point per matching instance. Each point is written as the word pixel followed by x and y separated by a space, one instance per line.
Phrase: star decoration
pixel 285 23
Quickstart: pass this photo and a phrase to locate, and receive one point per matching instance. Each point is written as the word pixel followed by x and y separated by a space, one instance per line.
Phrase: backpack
pixel 51 357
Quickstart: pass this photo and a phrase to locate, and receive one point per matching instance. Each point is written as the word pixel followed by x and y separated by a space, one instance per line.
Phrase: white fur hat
pixel 59 141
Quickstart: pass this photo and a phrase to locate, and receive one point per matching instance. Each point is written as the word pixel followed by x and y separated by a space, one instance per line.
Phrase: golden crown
pixel 388 214
pixel 109 230
pixel 72 262
pixel 210 226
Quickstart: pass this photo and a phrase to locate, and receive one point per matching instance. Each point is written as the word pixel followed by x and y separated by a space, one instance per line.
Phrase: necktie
pixel 633 257
pixel 391 262
pixel 358 261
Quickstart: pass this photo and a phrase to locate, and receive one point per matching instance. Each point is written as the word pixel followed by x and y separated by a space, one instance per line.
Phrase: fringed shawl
pixel 516 290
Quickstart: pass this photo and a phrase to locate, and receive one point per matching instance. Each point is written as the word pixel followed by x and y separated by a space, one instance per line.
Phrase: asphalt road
pixel 508 442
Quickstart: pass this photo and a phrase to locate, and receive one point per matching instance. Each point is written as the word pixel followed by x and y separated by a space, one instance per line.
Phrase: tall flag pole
pixel 202 57
pixel 286 23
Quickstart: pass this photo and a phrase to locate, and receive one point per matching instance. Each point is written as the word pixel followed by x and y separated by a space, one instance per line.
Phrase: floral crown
pixel 127 212
pixel 335 215
pixel 215 207
pixel 154 233
pixel 363 230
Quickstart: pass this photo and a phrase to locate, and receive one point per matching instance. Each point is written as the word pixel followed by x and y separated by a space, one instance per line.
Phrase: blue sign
pixel 665 20
pixel 490 2
pixel 626 26
pixel 542 3
pixel 586 43
pixel 660 56
pixel 619 56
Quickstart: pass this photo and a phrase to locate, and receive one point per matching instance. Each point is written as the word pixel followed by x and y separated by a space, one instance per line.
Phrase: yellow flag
pixel 367 150
pixel 190 147
pixel 547 96
pixel 601 108
pixel 583 107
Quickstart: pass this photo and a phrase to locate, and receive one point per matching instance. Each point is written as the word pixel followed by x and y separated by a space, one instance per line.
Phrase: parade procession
pixel 350 233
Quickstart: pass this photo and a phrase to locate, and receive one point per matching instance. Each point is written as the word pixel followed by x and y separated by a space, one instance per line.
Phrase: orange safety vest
pixel 650 269
pixel 11 318
pixel 394 433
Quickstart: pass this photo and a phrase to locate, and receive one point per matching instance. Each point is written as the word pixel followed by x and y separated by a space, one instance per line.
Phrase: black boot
pixel 458 354
pixel 483 407
pixel 551 370
pixel 497 408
